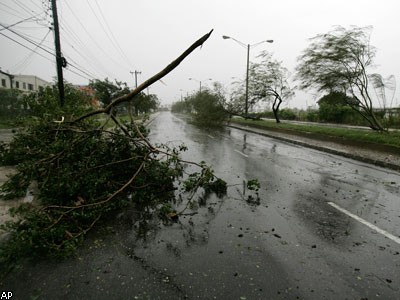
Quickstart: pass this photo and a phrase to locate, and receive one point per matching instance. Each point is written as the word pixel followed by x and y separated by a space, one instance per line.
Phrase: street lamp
pixel 199 81
pixel 248 46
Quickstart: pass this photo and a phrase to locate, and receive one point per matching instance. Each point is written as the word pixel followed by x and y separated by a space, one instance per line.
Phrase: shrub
pixel 84 173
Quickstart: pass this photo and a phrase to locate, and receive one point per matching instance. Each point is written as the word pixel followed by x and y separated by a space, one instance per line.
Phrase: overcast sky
pixel 104 38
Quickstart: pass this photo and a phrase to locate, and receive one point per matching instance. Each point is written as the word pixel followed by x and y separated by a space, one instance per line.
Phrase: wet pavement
pixel 291 244
pixel 376 154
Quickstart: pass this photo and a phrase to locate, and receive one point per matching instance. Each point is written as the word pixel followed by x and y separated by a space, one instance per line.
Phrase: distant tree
pixel 288 114
pixel 46 100
pixel 209 107
pixel 382 86
pixel 182 106
pixel 10 103
pixel 269 82
pixel 236 103
pixel 106 90
pixel 339 61
pixel 334 107
pixel 145 103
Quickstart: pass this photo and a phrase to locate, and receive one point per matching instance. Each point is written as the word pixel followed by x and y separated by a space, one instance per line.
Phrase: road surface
pixel 304 238
pixel 325 227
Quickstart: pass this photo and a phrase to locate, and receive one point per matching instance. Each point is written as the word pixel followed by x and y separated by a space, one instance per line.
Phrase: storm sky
pixel 112 39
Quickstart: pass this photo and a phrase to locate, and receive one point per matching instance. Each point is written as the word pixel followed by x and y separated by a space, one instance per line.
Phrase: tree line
pixel 16 105
pixel 337 65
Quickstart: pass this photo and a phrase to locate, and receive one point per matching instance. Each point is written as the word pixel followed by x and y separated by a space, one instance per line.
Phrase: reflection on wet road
pixel 294 244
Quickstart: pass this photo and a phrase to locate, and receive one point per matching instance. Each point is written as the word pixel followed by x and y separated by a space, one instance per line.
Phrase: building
pixel 25 83
pixel 6 80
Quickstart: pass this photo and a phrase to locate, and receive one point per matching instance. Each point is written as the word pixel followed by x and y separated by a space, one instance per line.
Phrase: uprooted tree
pixel 85 171
pixel 340 61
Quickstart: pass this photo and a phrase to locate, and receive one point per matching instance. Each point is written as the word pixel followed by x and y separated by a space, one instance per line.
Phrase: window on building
pixel 3 82
pixel 17 84
pixel 30 86
pixel 24 85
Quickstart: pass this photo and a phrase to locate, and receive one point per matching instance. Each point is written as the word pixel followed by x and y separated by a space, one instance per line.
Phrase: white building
pixel 25 83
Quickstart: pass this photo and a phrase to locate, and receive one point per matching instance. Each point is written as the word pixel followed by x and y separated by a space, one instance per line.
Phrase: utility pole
pixel 129 103
pixel 136 74
pixel 61 62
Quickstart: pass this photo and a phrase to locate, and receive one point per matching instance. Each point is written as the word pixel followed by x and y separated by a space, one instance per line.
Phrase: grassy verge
pixel 6 125
pixel 355 135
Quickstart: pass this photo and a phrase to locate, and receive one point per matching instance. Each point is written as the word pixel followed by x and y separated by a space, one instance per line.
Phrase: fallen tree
pixel 85 171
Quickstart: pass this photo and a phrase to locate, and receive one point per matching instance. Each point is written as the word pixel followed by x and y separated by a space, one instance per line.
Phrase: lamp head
pixel 225 37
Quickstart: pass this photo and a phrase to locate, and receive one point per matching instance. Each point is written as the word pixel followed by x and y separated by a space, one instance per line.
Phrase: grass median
pixel 391 139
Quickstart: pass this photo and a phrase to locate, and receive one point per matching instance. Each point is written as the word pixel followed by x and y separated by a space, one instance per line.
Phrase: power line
pixel 84 53
pixel 39 45
pixel 25 62
pixel 19 22
pixel 76 73
pixel 15 41
pixel 28 40
pixel 93 40
pixel 116 44
pixel 35 4
pixel 23 7
pixel 84 72
pixel 12 9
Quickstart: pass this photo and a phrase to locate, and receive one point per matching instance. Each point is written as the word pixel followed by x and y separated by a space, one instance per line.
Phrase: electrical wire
pixel 93 40
pixel 73 40
pixel 40 47
pixel 19 22
pixel 82 71
pixel 35 4
pixel 34 15
pixel 19 43
pixel 33 39
pixel 80 75
pixel 111 36
pixel 28 40
pixel 111 32
pixel 25 62
pixel 23 7
pixel 18 15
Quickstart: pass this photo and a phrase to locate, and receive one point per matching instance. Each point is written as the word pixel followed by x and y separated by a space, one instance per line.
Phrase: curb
pixel 152 117
pixel 378 163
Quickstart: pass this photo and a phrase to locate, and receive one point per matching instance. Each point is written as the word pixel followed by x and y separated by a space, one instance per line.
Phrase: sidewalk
pixel 386 159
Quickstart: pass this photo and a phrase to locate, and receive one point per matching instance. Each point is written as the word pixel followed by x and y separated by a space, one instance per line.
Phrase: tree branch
pixel 149 81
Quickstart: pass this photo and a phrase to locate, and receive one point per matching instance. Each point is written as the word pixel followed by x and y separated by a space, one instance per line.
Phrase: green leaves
pixel 206 107
pixel 339 61
pixel 84 174
pixel 336 59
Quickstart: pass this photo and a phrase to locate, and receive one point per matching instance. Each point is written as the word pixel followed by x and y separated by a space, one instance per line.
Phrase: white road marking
pixel 241 153
pixel 377 229
pixel 210 136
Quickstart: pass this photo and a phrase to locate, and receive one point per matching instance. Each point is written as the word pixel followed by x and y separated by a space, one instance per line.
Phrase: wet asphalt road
pixel 293 244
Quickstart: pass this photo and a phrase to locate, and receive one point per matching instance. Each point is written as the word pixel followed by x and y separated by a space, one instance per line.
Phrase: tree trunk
pixel 275 108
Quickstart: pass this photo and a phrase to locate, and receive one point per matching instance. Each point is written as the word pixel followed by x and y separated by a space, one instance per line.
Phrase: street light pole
pixel 246 108
pixel 248 46
pixel 199 81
